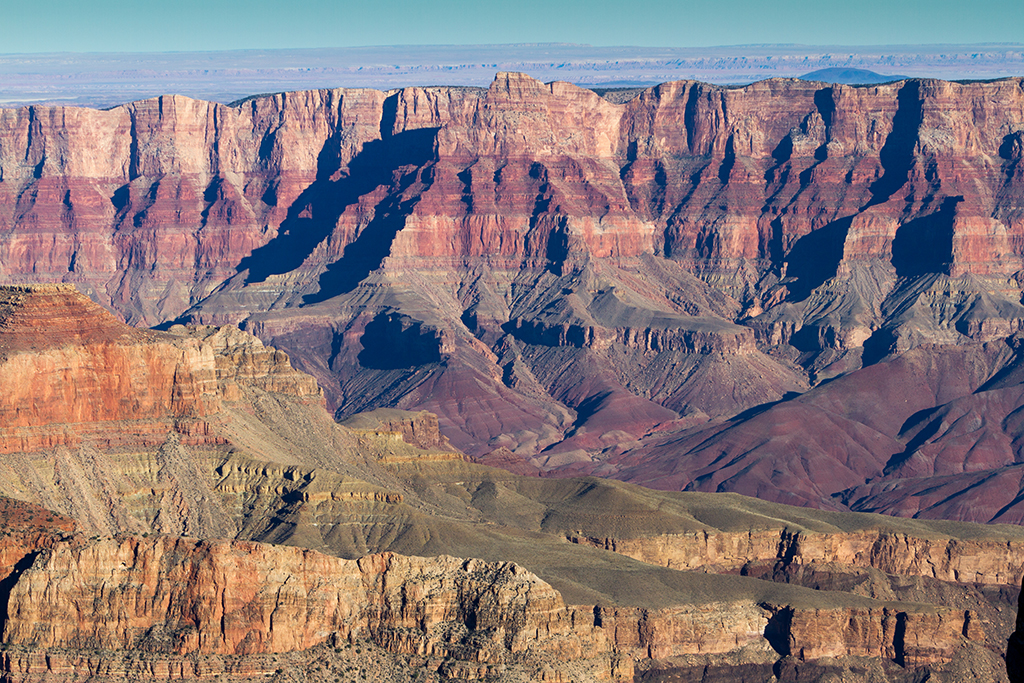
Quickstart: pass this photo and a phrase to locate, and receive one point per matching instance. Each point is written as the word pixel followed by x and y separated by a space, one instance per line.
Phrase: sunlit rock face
pixel 72 371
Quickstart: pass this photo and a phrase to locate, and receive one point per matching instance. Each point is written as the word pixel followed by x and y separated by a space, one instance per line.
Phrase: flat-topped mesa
pixel 416 428
pixel 71 371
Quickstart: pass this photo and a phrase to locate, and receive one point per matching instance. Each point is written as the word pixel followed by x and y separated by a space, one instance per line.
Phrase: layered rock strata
pixel 589 271
pixel 74 373
pixel 189 597
pixel 420 429
pixel 986 562
pixel 209 597
pixel 684 168
pixel 373 520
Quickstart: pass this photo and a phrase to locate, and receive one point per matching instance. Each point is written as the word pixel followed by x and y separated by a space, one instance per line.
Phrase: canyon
pixel 805 292
pixel 400 382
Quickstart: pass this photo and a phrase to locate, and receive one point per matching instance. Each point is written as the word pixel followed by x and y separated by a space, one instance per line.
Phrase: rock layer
pixel 73 372
pixel 208 597
pixel 183 596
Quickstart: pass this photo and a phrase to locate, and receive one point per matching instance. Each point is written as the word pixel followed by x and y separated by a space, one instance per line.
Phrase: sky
pixel 194 25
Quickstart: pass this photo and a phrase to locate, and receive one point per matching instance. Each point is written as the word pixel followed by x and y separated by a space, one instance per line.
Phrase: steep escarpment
pixel 607 287
pixel 213 597
pixel 183 189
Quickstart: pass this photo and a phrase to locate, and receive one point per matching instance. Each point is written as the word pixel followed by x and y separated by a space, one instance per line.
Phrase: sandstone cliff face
pixel 188 597
pixel 182 596
pixel 73 372
pixel 99 419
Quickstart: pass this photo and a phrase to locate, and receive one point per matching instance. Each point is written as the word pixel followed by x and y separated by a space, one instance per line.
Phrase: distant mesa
pixel 849 76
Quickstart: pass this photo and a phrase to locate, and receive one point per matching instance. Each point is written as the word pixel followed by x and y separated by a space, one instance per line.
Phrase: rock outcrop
pixel 420 429
pixel 72 373
pixel 985 562
pixel 208 597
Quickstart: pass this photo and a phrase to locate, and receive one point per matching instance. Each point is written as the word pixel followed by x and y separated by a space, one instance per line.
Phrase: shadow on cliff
pixel 1015 647
pixel 393 341
pixel 815 257
pixel 7 585
pixel 897 155
pixel 365 254
pixel 315 213
pixel 925 244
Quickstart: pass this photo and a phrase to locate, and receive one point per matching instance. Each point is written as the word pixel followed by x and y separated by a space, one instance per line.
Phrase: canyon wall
pixel 188 598
pixel 209 597
pixel 605 287
pixel 153 204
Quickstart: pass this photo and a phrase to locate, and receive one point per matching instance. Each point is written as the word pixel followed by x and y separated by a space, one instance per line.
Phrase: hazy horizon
pixel 215 25
pixel 108 79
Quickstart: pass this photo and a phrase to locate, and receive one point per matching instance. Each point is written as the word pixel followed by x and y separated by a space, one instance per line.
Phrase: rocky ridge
pixel 96 371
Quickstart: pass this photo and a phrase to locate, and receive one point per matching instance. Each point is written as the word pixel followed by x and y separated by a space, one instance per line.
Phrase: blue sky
pixel 185 25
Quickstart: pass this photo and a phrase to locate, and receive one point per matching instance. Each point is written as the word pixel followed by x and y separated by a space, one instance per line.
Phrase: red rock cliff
pixel 72 371
pixel 182 191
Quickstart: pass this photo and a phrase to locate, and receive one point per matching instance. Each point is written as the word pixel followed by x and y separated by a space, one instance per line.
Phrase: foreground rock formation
pixel 211 597
pixel 608 287
pixel 272 542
